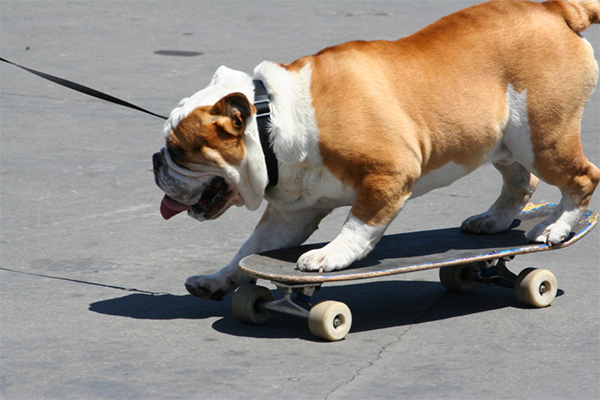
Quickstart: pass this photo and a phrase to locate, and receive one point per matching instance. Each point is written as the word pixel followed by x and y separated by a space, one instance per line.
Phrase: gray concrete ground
pixel 92 298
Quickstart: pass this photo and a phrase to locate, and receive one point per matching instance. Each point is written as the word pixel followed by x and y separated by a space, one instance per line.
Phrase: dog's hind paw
pixel 555 230
pixel 487 223
pixel 551 235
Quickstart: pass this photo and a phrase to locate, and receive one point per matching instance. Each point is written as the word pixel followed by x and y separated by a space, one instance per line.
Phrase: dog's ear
pixel 233 110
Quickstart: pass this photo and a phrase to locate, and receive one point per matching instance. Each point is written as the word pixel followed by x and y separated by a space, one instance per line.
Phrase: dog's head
pixel 212 158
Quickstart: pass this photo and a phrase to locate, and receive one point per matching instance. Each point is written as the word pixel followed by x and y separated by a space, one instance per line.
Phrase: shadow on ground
pixel 374 305
pixel 161 307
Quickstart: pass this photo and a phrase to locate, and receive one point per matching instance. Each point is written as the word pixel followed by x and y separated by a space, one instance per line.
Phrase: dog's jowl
pixel 372 124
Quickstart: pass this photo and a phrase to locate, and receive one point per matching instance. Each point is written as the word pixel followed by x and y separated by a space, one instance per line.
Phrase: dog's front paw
pixel 487 223
pixel 323 260
pixel 214 287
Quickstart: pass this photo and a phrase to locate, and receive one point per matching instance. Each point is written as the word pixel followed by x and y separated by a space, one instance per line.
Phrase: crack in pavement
pixel 383 349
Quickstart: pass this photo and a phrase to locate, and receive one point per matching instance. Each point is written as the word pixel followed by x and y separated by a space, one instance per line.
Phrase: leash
pixel 83 89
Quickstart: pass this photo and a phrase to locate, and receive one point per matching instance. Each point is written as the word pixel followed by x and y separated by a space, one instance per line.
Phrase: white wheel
pixel 536 287
pixel 244 304
pixel 456 277
pixel 330 320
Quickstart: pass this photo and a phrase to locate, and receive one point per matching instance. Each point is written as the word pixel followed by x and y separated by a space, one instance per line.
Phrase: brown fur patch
pixel 207 137
pixel 390 112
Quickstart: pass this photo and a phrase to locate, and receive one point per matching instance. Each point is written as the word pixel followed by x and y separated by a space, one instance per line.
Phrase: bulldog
pixel 373 124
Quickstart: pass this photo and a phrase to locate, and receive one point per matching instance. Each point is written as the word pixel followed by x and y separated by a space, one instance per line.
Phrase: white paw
pixel 354 242
pixel 323 260
pixel 488 223
pixel 215 286
pixel 551 234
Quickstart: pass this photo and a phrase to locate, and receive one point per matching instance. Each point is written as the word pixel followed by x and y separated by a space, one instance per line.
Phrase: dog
pixel 372 124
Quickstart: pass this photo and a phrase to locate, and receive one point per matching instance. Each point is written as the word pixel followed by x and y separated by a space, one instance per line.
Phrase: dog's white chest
pixel 313 186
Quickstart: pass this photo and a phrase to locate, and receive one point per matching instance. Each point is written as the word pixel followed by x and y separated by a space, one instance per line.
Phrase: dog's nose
pixel 156 161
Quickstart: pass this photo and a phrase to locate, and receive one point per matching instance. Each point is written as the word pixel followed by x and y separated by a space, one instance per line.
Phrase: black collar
pixel 263 119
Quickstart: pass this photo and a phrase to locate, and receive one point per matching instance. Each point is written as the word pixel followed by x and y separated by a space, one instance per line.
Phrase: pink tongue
pixel 170 207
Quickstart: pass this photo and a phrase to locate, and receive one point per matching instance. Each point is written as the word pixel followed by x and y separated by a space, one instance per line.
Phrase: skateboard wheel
pixel 536 287
pixel 245 304
pixel 330 320
pixel 456 277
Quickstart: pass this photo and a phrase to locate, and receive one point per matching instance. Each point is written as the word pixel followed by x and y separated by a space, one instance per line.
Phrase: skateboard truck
pixel 533 287
pixel 496 274
pixel 330 320
pixel 295 301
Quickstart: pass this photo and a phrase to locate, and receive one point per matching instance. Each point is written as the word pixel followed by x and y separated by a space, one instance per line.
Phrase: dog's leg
pixel 563 164
pixel 353 243
pixel 517 188
pixel 378 205
pixel 275 230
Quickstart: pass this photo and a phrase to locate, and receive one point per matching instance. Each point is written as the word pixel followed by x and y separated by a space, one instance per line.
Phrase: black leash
pixel 83 89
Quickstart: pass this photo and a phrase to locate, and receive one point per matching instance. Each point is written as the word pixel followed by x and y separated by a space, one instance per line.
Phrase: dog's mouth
pixel 212 203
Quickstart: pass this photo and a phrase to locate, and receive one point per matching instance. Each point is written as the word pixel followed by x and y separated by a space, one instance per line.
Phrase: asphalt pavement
pixel 92 302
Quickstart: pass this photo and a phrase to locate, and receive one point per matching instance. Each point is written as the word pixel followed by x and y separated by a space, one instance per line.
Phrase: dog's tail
pixel 578 14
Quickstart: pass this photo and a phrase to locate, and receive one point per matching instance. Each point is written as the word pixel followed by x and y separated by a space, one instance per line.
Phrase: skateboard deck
pixel 464 260
pixel 415 251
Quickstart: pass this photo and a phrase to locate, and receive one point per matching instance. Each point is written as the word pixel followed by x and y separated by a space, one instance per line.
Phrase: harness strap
pixel 263 119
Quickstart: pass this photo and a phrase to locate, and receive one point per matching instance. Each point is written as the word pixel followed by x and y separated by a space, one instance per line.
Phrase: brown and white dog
pixel 372 124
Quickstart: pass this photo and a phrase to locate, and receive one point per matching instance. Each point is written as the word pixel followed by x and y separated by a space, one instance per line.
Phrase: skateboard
pixel 463 259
